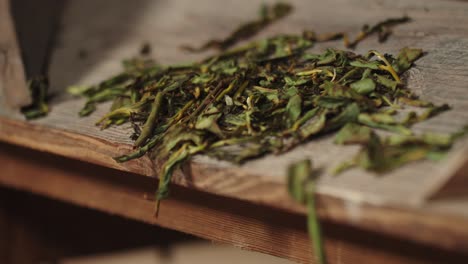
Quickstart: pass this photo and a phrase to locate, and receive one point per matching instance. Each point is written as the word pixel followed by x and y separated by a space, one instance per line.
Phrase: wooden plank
pixel 262 182
pixel 13 91
pixel 5 230
pixel 242 224
pixel 356 184
pixel 41 227
pixel 167 26
pixel 442 230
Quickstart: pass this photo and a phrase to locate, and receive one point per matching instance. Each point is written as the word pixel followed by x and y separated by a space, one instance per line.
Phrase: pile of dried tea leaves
pixel 268 96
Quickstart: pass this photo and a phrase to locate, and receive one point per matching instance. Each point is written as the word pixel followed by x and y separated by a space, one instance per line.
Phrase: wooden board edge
pixel 244 225
pixel 394 221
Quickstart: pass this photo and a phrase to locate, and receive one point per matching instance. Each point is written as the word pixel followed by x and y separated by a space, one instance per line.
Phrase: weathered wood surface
pixel 444 230
pixel 168 25
pixel 245 225
pixel 355 198
pixel 13 91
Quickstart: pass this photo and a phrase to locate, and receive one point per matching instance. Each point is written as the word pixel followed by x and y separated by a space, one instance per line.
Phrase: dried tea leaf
pixel 301 187
pixel 332 102
pixel 314 126
pixel 385 122
pixel 382 28
pixel 391 84
pixel 349 114
pixel 269 14
pixel 38 87
pixel 209 120
pixel 294 108
pixel 176 158
pixel 373 65
pixel 364 86
pixel 372 157
pixel 405 59
pixel 79 89
pixel 353 133
pixel 436 140
pixel 383 155
pixel 298 174
pixel 150 122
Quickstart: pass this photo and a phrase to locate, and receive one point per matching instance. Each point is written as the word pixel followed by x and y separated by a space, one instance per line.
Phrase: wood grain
pixel 13 91
pixel 41 227
pixel 167 25
pixel 242 224
pixel 5 231
pixel 392 205
pixel 442 230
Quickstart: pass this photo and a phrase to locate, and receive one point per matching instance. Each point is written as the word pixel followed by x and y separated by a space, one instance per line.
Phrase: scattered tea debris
pixel 145 49
pixel 382 154
pixel 382 29
pixel 268 15
pixel 38 86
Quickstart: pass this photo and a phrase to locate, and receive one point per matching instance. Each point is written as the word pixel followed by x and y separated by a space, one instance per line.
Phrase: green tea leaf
pixel 383 122
pixel 209 121
pixel 364 86
pixel 38 88
pixel 405 59
pixel 349 114
pixel 293 108
pixel 328 57
pixel 298 174
pixel 202 78
pixel 374 65
pixel 353 133
pixel 151 121
pixel 182 154
pixel 302 188
pixel 331 102
pixel 389 83
pixel 270 94
pixel 79 89
pixel 314 126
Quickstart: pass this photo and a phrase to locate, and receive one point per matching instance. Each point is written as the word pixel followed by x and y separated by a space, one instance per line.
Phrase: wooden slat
pixel 439 230
pixel 49 230
pixel 6 234
pixel 242 224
